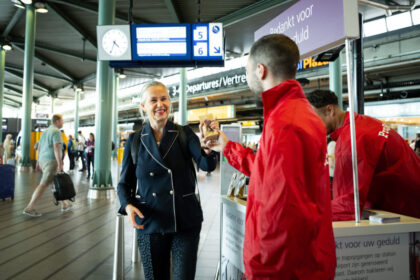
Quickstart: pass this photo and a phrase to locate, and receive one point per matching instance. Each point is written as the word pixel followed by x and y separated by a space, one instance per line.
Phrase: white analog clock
pixel 115 42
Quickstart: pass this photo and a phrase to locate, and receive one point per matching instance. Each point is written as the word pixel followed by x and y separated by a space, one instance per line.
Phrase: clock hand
pixel 112 47
pixel 116 44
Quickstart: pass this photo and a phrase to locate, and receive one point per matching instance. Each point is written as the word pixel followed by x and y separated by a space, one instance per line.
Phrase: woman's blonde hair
pixel 143 96
pixel 7 141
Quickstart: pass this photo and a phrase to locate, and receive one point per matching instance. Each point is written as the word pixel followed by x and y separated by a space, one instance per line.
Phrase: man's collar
pixel 336 133
pixel 272 96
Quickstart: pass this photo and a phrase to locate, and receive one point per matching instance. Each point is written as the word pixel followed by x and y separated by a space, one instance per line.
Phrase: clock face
pixel 115 42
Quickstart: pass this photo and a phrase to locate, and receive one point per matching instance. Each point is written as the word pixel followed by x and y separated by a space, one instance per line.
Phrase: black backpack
pixel 135 144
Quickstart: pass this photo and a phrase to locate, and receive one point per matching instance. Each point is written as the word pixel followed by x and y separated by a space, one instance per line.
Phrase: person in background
pixel 417 145
pixel 81 148
pixel 389 177
pixel 164 209
pixel 1 153
pixel 64 147
pixel 413 144
pixel 49 161
pixel 288 228
pixel 123 142
pixel 8 149
pixel 90 151
pixel 331 156
pixel 71 151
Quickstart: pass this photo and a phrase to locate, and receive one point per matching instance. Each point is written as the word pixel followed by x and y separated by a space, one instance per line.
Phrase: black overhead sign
pixel 221 82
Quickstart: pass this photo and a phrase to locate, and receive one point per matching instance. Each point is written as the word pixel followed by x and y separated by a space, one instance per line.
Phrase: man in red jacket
pixel 389 177
pixel 288 231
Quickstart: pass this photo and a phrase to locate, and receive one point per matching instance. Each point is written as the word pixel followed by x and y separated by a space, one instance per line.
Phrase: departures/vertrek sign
pixel 316 26
pixel 228 80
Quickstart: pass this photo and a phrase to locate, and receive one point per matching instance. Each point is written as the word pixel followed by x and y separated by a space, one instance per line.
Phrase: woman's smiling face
pixel 157 103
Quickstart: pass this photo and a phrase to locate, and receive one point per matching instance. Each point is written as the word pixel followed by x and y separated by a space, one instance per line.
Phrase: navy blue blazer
pixel 166 185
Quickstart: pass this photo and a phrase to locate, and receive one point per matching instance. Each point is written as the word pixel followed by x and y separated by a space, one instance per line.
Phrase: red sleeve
pixel 240 158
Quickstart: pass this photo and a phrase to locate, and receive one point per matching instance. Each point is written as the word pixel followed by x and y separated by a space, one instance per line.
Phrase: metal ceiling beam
pixel 40 85
pixel 73 24
pixel 18 91
pixel 12 94
pixel 172 11
pixel 251 10
pixel 392 5
pixel 12 22
pixel 89 77
pixel 40 46
pixel 83 80
pixel 76 82
pixel 140 74
pixel 10 104
pixel 39 74
pixel 93 8
pixel 12 100
pixel 18 88
pixel 56 91
pixel 49 62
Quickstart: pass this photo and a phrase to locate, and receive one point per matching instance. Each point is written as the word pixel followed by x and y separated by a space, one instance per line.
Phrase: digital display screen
pixel 44 122
pixel 161 41
pixel 208 41
pixel 4 126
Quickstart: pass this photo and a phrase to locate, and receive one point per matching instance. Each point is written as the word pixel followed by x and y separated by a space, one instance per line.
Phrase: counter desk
pixel 365 251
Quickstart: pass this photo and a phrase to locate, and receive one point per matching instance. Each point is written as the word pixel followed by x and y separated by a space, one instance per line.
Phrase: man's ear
pixel 331 110
pixel 261 71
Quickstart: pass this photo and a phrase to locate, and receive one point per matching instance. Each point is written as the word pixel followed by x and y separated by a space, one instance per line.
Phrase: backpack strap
pixel 135 143
pixel 186 152
pixel 183 140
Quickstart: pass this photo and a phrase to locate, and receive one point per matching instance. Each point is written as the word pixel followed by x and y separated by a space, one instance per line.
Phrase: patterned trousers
pixel 156 250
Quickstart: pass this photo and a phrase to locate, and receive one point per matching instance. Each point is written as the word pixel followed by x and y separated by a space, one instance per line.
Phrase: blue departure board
pixel 208 41
pixel 161 41
pixel 174 45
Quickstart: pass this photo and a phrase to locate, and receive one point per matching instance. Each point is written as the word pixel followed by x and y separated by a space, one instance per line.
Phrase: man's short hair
pixel 279 53
pixel 56 117
pixel 320 98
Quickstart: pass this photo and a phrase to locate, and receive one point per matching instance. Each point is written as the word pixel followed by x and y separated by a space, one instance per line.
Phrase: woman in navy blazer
pixel 164 209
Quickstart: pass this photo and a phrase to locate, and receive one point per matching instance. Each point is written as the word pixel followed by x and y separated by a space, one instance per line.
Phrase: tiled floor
pixel 80 244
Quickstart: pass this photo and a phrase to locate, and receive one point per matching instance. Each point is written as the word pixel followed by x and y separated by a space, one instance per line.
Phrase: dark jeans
pixel 83 159
pixel 71 158
pixel 155 250
pixel 89 160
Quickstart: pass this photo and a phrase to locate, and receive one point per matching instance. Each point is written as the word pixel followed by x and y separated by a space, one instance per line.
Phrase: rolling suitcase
pixel 63 188
pixel 7 182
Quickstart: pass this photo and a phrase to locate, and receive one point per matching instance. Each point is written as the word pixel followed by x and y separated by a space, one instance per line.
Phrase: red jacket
pixel 288 231
pixel 388 169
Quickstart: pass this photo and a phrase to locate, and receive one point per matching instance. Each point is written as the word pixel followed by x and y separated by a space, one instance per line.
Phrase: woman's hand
pixel 132 212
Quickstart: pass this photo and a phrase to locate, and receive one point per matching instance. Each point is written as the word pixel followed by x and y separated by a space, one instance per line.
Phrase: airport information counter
pixel 367 251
